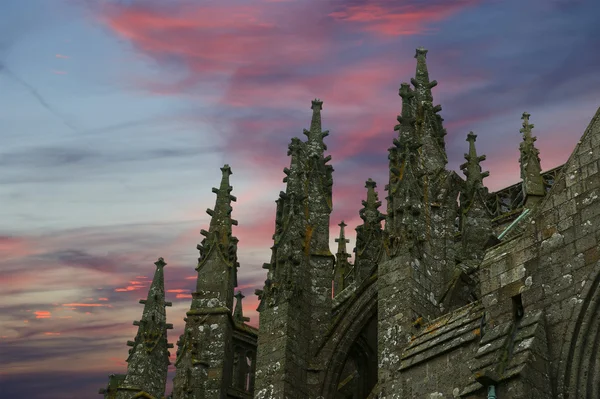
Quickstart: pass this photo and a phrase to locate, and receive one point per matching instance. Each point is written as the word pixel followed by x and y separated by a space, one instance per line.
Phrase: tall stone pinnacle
pixel 238 313
pixel 407 119
pixel 221 220
pixel 428 123
pixel 475 218
pixel 421 80
pixel 342 240
pixel 369 235
pixel 205 342
pixel 316 146
pixel 472 168
pixel 148 359
pixel 342 266
pixel 531 169
pixel 217 265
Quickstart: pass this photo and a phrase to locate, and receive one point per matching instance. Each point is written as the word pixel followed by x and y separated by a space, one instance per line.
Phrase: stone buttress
pixel 205 354
pixel 148 359
pixel 295 304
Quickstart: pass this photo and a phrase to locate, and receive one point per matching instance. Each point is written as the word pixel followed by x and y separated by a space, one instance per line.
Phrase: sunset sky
pixel 116 115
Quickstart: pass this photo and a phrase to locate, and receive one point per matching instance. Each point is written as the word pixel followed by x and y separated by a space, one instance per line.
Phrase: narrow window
pixel 517 307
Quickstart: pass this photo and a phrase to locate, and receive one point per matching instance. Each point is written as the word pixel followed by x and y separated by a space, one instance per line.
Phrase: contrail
pixel 31 90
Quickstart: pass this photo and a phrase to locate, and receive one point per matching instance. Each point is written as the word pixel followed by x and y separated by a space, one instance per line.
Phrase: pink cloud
pixel 62 56
pixel 14 247
pixel 215 40
pixel 395 18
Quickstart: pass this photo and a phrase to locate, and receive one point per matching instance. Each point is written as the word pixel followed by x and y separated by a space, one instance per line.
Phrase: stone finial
pixel 160 263
pixel 407 117
pixel 342 241
pixel 315 123
pixel 421 80
pixel 315 134
pixel 219 232
pixel 369 235
pixel 472 168
pixel 238 313
pixel 421 51
pixel 531 168
pixel 341 266
pixel 149 356
pixel 526 130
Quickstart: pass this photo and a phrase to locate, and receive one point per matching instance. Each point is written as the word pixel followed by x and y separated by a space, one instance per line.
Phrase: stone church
pixel 454 292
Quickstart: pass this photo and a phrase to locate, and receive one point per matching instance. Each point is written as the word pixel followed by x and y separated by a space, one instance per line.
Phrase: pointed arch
pixel 581 370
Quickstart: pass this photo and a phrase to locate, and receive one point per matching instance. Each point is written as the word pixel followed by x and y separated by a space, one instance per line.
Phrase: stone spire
pixel 205 358
pixel 297 293
pixel 472 169
pixel 342 266
pixel 430 126
pixel 148 359
pixel 421 80
pixel 315 135
pixel 217 274
pixel 369 235
pixel 475 222
pixel 531 169
pixel 238 313
pixel 405 189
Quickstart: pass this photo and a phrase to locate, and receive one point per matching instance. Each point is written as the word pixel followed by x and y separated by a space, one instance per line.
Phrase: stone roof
pixel 444 334
pixel 505 350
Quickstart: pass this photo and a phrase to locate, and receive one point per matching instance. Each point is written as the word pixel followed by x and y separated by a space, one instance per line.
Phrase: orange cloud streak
pixel 42 314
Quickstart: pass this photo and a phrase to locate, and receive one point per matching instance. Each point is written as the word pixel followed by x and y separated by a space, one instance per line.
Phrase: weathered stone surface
pixel 491 295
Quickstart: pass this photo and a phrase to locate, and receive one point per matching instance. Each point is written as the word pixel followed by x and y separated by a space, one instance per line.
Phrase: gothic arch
pixel 581 369
pixel 345 332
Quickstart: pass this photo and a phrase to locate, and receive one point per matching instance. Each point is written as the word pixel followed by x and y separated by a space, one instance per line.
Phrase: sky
pixel 116 115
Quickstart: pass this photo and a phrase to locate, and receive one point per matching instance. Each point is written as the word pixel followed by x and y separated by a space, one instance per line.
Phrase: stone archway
pixel 582 362
pixel 344 335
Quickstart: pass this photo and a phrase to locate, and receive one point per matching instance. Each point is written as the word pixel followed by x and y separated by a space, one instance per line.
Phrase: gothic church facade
pixel 462 293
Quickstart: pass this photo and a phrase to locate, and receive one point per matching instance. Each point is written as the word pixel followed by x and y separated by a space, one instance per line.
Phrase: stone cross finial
pixel 160 262
pixel 238 313
pixel 342 240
